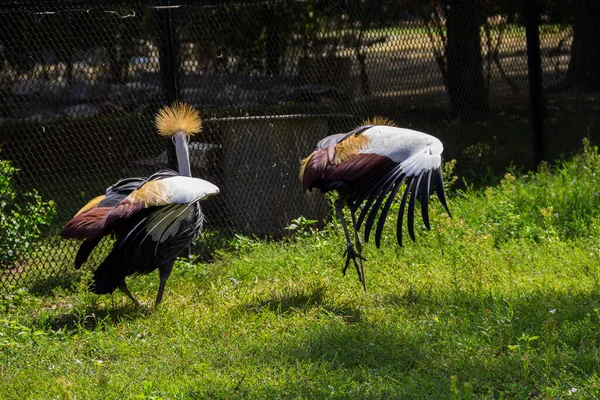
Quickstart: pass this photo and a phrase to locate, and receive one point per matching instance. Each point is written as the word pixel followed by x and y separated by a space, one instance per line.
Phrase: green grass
pixel 501 301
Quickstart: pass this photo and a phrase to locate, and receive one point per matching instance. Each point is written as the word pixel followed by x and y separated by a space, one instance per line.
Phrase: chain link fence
pixel 80 82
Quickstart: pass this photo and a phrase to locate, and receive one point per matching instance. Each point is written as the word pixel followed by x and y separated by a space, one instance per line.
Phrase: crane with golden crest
pixel 368 166
pixel 153 219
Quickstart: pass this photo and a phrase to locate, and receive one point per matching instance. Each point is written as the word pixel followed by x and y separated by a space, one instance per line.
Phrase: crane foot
pixel 357 259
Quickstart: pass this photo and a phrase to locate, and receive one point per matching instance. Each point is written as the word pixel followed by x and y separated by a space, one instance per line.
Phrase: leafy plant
pixel 301 227
pixel 23 216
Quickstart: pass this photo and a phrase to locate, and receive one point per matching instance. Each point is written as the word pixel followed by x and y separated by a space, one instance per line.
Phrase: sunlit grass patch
pixel 499 301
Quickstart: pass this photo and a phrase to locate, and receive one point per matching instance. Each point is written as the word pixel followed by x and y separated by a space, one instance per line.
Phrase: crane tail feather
pixel 439 189
pixel 109 275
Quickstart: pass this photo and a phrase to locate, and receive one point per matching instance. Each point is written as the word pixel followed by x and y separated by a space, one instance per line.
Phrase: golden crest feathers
pixel 379 120
pixel 91 204
pixel 179 117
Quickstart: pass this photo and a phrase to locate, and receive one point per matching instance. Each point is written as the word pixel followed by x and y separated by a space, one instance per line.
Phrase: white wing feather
pixel 183 189
pixel 162 225
pixel 415 151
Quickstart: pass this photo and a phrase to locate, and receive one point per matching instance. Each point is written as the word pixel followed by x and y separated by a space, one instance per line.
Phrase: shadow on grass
pixel 295 298
pixel 412 296
pixel 45 285
pixel 480 339
pixel 93 318
pixel 364 345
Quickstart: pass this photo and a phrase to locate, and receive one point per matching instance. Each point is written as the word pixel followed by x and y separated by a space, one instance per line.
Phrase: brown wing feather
pixel 358 170
pixel 93 221
pixel 316 166
pixel 313 168
pixel 123 211
pixel 318 172
pixel 88 224
pixel 98 221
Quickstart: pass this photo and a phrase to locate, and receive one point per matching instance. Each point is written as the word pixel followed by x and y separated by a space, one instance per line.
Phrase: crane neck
pixel 183 155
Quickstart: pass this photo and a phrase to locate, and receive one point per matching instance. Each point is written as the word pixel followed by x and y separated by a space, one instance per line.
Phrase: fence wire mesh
pixel 80 82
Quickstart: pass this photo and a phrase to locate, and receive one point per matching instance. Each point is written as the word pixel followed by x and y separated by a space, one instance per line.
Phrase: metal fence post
pixel 536 91
pixel 168 61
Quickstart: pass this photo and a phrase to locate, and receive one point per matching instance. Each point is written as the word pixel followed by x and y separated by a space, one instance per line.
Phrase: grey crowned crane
pixel 153 219
pixel 368 166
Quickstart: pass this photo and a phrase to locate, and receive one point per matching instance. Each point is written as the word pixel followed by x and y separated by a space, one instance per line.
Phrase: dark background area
pixel 501 83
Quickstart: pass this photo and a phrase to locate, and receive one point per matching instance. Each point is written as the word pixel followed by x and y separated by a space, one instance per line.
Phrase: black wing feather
pixel 424 200
pixel 411 207
pixel 163 174
pixel 139 226
pixel 85 250
pixel 126 260
pixel 119 191
pixel 373 187
pixel 165 213
pixel 375 208
pixel 385 210
pixel 409 183
pixel 369 193
pixel 439 188
pixel 376 190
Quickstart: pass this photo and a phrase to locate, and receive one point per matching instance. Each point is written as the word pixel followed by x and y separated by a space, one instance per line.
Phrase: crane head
pixel 179 122
pixel 178 118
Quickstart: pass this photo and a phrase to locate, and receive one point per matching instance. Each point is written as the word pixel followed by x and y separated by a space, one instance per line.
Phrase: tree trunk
pixel 584 70
pixel 362 62
pixel 465 82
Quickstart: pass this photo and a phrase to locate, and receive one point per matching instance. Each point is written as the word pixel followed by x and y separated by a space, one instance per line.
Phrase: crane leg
pixel 164 275
pixel 125 289
pixel 358 246
pixel 350 253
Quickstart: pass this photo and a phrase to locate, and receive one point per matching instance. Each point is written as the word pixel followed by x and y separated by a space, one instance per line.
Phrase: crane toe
pixel 357 259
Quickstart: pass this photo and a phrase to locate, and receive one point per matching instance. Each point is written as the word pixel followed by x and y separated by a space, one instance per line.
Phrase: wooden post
pixel 169 63
pixel 536 91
